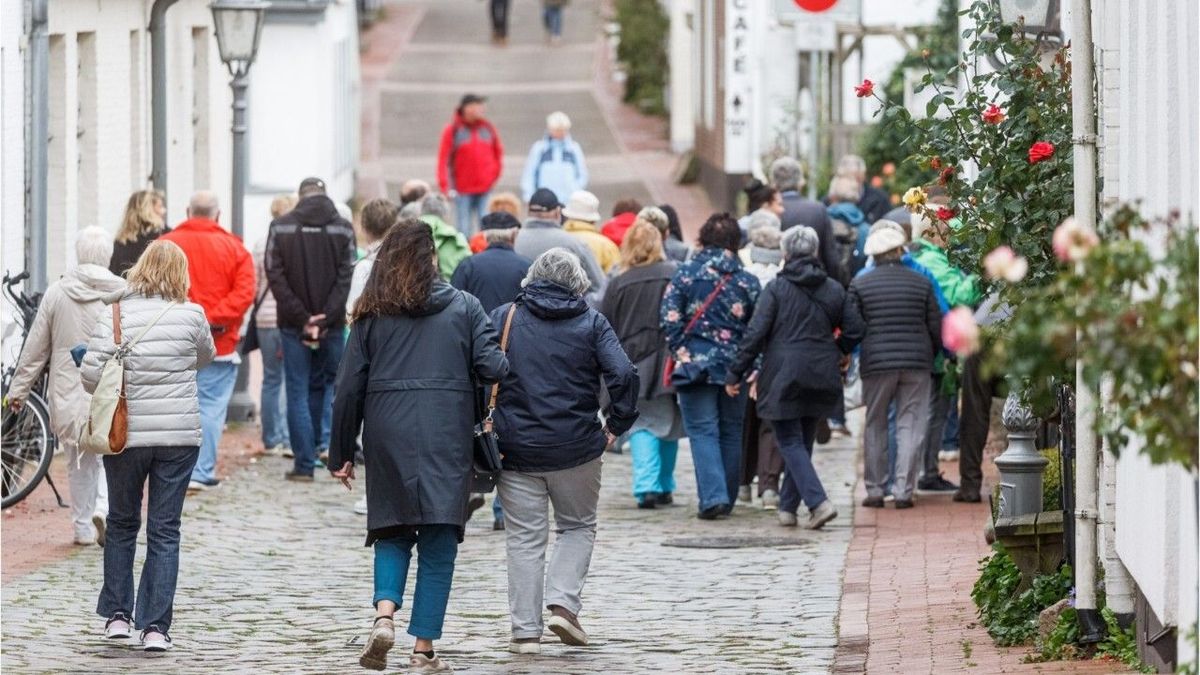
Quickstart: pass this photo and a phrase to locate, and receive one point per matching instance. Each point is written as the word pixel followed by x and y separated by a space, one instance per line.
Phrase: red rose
pixel 865 89
pixel 935 163
pixel 993 115
pixel 946 175
pixel 945 213
pixel 1040 151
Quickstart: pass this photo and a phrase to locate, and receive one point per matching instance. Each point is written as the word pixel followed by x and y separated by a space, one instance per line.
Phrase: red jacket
pixel 222 275
pixel 616 228
pixel 470 157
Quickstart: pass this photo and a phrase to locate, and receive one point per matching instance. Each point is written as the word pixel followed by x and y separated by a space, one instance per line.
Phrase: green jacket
pixel 450 244
pixel 957 287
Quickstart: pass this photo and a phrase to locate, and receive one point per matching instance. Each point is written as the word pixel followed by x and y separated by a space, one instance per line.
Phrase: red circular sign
pixel 815 5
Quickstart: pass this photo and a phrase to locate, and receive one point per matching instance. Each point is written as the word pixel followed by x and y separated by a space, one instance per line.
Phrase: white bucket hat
pixel 584 206
pixel 883 240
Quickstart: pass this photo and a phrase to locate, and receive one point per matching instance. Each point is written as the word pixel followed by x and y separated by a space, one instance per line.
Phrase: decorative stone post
pixel 1020 465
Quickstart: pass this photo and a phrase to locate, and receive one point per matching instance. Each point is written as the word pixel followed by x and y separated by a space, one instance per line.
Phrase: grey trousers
pixel 574 493
pixel 931 441
pixel 910 390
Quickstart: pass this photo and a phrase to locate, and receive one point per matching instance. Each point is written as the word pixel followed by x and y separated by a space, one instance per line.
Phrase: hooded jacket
pixel 450 244
pixel 221 272
pixel 310 262
pixel 408 382
pixel 703 354
pixel 957 287
pixel 160 372
pixel 555 164
pixel 794 328
pixel 558 351
pixel 470 157
pixel 64 319
pixel 617 226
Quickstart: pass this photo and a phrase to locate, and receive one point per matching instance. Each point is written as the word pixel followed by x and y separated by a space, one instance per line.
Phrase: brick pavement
pixel 274 578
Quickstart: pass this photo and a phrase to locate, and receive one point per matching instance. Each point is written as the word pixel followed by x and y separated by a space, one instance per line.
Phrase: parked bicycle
pixel 26 445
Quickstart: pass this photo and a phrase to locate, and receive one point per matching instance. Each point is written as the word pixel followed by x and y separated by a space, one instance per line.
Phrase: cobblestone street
pixel 274 578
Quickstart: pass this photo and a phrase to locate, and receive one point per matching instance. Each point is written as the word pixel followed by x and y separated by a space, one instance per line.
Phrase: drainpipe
pixel 37 133
pixel 1083 123
pixel 1118 584
pixel 158 92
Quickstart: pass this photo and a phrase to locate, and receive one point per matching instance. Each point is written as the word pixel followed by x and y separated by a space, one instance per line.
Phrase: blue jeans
pixel 801 482
pixel 950 435
pixel 306 403
pixel 468 210
pixel 653 463
pixel 214 383
pixel 437 547
pixel 713 422
pixel 317 386
pixel 273 404
pixel 552 20
pixel 168 470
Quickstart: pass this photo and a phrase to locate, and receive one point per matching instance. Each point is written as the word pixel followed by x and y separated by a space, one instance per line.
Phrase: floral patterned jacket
pixel 703 354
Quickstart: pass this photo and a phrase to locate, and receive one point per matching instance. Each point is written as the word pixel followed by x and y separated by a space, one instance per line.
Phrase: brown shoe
pixel 299 477
pixel 873 502
pixel 566 626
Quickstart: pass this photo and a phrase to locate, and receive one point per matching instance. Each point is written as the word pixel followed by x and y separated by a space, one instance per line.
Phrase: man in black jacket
pixel 904 328
pixel 494 274
pixel 310 262
pixel 788 178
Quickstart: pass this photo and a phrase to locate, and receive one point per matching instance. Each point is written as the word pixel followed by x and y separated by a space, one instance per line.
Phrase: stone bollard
pixel 1020 465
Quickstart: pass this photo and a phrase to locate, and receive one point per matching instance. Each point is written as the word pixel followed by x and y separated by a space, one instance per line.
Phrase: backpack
pixel 848 241
pixel 106 429
pixel 548 156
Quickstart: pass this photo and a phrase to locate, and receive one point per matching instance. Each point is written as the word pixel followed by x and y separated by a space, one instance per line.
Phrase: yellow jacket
pixel 606 252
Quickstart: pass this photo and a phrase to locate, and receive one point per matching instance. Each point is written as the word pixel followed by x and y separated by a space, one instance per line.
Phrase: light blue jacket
pixel 557 165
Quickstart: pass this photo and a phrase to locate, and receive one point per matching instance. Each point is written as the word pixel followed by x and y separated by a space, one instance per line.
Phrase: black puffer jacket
pixel 409 381
pixel 558 349
pixel 631 304
pixel 793 326
pixel 904 323
pixel 310 262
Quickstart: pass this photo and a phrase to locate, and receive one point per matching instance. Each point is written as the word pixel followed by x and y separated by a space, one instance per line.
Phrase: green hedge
pixel 642 52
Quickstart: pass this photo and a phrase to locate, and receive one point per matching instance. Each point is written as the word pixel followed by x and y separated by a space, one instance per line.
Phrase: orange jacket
pixel 222 275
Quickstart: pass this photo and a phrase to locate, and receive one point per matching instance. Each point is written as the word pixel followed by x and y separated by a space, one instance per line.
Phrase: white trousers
pixel 89 491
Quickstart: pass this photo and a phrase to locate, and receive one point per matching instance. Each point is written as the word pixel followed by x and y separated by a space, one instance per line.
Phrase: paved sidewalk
pixel 274 578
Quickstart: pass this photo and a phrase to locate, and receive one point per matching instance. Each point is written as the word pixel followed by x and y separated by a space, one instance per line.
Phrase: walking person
pixel 65 317
pixel 631 305
pixel 903 333
pixel 872 201
pixel 310 264
pixel 705 311
pixel 494 275
pixel 470 159
pixel 555 161
pixel 144 221
pixel 552 19
pixel 452 247
pixel 582 213
pixel 417 349
pixel 221 280
pixel 624 214
pixel 552 441
pixel 800 379
pixel 760 451
pixel 673 244
pixel 160 449
pixel 788 177
pixel 272 404
pixel 543 231
pixel 377 217
pixel 498 12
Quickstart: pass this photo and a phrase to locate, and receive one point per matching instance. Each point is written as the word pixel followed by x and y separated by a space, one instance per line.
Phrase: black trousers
pixel 760 451
pixel 499 10
pixel 974 419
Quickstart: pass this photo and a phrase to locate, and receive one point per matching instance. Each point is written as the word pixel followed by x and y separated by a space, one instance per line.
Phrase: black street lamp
pixel 1039 20
pixel 238 25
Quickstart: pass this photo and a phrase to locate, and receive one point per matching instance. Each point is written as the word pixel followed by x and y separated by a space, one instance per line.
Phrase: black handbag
pixel 487 458
pixel 249 341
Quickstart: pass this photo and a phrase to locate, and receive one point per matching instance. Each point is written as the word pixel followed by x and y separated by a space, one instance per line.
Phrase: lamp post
pixel 1037 19
pixel 238 26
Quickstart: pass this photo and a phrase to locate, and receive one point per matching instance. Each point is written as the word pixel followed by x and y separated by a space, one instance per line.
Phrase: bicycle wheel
pixel 25 450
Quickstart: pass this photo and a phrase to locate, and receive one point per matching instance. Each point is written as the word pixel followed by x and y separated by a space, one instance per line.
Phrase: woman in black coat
pixel 800 380
pixel 417 350
pixel 631 304
pixel 552 440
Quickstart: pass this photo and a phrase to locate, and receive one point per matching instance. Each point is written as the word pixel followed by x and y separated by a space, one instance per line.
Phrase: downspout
pixel 37 134
pixel 158 92
pixel 1083 123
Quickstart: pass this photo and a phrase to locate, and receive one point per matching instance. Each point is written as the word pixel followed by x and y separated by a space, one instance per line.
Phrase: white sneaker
pixel 360 506
pixel 948 456
pixel 85 539
pixel 419 663
pixel 787 519
pixel 770 500
pixel 196 486
pixel 379 643
pixel 744 494
pixel 154 641
pixel 821 515
pixel 533 646
pixel 101 525
pixel 287 453
pixel 118 628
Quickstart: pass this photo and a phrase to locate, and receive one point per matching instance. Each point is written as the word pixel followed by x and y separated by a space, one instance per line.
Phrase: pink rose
pixel 1004 263
pixel 960 333
pixel 1072 242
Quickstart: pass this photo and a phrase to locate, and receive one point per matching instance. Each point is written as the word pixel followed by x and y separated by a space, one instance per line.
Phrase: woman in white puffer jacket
pixel 163 441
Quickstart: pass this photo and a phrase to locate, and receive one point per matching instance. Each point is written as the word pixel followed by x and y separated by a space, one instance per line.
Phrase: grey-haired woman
pixel 793 327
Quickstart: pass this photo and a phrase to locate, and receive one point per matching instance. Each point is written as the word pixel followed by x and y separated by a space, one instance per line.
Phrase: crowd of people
pixel 387 343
